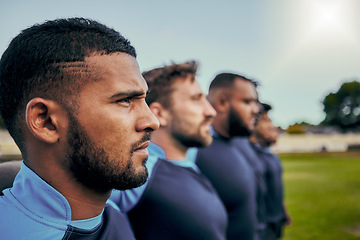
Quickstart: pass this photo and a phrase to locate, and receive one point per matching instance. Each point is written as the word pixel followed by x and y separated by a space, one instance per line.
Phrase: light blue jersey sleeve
pixel 127 199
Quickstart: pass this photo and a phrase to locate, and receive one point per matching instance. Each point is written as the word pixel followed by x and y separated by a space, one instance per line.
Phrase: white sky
pixel 299 50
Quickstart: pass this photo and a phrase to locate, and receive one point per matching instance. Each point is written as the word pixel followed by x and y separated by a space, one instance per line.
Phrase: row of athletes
pixel 74 101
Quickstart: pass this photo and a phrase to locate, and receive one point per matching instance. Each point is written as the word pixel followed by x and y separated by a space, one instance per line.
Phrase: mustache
pixel 208 119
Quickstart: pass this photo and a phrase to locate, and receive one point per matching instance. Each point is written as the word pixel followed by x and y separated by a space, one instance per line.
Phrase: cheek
pixel 197 113
pixel 188 113
pixel 109 131
pixel 243 113
pixel 249 109
pixel 263 131
pixel 241 108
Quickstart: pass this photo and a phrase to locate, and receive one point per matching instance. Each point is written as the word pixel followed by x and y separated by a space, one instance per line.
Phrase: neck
pixel 48 161
pixel 85 203
pixel 174 149
pixel 221 128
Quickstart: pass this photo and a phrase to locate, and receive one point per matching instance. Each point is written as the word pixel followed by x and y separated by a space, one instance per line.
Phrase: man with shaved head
pixel 235 100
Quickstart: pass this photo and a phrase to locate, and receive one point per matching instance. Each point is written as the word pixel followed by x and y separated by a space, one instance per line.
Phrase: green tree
pixel 297 128
pixel 342 108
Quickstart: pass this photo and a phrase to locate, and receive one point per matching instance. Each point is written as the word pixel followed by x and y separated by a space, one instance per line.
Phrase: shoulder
pixel 218 148
pixel 8 171
pixel 12 220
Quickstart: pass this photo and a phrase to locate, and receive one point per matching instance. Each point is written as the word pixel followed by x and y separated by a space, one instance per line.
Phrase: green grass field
pixel 322 194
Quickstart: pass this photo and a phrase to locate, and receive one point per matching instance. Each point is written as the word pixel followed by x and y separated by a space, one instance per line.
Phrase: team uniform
pixel 259 168
pixel 235 182
pixel 32 209
pixel 177 203
pixel 276 216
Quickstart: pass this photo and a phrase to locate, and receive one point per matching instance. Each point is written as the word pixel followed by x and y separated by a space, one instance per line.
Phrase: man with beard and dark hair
pixel 263 137
pixel 235 100
pixel 178 201
pixel 73 99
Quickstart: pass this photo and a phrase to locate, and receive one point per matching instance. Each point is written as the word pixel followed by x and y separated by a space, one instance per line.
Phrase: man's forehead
pixel 187 86
pixel 240 83
pixel 117 70
pixel 244 88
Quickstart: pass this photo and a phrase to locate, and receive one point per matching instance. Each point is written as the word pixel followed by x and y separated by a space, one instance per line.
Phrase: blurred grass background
pixel 322 192
pixel 322 195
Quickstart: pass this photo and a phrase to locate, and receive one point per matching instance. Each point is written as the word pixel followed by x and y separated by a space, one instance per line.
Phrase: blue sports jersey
pixel 274 182
pixel 33 210
pixel 178 203
pixel 233 178
pixel 259 168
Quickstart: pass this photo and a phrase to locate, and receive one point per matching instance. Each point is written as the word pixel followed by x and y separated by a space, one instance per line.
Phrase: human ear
pixel 42 119
pixel 222 103
pixel 160 113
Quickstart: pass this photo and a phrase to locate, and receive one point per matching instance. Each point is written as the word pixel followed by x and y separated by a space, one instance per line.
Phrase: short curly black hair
pixel 47 60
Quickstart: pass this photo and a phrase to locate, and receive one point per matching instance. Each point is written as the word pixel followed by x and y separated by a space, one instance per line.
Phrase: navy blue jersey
pixel 114 225
pixel 258 166
pixel 178 203
pixel 233 178
pixel 274 183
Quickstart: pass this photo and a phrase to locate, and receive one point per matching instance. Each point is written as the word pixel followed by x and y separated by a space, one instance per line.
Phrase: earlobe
pixel 160 113
pixel 41 119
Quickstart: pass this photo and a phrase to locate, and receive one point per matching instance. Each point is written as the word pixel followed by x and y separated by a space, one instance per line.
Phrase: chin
pixel 141 170
pixel 206 141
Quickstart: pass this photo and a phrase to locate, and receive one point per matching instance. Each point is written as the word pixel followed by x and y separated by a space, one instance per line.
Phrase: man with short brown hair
pixel 235 100
pixel 178 202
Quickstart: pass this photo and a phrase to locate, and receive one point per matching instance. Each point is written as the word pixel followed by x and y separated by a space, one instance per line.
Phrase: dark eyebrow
pixel 131 94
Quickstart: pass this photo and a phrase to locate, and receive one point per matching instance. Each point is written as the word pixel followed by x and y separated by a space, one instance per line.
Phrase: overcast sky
pixel 298 50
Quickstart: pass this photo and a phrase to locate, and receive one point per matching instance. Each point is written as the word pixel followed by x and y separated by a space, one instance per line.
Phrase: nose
pixel 256 107
pixel 208 109
pixel 147 122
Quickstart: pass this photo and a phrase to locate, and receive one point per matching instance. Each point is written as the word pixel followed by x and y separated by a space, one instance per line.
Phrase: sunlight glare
pixel 327 15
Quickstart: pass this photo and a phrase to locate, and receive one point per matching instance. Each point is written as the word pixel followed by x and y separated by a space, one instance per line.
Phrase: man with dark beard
pixel 178 201
pixel 73 99
pixel 235 100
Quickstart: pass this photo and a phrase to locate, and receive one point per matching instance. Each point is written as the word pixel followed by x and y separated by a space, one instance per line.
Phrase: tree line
pixel 341 108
